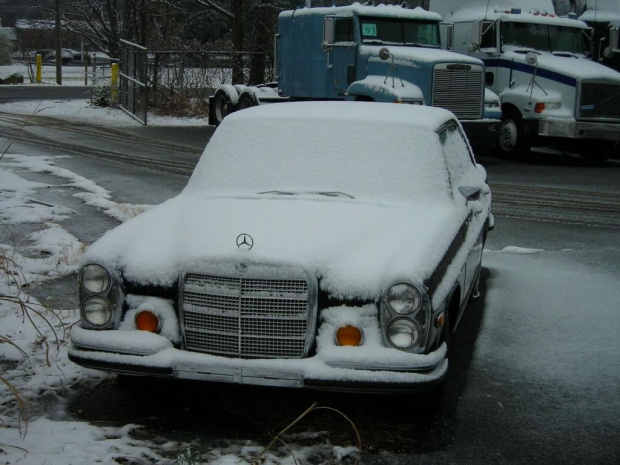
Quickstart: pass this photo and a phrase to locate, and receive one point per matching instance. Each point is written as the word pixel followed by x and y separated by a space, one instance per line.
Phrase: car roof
pixel 421 116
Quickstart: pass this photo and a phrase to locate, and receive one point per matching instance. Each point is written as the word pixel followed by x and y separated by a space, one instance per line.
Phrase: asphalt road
pixel 555 203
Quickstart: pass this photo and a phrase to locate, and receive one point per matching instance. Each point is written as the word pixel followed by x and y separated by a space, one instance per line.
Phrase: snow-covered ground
pixel 34 369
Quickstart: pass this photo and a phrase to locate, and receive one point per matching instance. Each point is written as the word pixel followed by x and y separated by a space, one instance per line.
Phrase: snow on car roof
pixel 371 151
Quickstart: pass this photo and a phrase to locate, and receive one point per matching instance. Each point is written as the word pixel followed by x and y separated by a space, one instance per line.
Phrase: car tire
pixel 223 106
pixel 513 138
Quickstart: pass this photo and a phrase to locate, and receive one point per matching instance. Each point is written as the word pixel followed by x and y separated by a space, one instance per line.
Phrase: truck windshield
pixel 544 37
pixel 398 31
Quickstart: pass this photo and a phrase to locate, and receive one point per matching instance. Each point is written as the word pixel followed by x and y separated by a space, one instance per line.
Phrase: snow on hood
pixel 356 248
pixel 405 55
pixel 573 66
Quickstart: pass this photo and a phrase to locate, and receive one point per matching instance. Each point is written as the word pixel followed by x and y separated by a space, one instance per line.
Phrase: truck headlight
pixel 101 297
pixel 403 333
pixel 403 299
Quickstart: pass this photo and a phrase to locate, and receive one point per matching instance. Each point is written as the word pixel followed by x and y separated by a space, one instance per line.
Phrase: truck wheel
pixel 246 100
pixel 223 106
pixel 512 137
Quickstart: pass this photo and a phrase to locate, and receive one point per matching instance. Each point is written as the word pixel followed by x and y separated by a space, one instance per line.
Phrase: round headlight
pixel 403 333
pixel 97 311
pixel 95 279
pixel 404 299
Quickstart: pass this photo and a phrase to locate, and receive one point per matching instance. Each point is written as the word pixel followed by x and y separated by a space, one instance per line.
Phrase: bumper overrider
pixel 149 354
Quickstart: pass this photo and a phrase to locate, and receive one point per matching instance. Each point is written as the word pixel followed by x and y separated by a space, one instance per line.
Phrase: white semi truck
pixel 551 93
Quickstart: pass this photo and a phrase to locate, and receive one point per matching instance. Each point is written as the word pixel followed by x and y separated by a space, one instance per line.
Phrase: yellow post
pixel 114 96
pixel 39 64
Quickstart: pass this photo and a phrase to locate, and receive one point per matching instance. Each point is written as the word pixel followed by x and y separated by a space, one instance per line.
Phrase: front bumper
pixel 573 129
pixel 482 133
pixel 148 354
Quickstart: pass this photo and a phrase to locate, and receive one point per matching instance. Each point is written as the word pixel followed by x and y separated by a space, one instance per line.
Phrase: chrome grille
pixel 599 101
pixel 459 88
pixel 248 317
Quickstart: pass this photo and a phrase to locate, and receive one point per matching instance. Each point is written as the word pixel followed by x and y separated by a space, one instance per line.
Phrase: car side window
pixel 459 159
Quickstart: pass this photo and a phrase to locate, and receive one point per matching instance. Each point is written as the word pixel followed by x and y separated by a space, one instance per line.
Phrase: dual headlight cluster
pixel 405 317
pixel 101 297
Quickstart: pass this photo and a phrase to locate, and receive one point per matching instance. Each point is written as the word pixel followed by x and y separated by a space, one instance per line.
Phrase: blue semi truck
pixel 382 53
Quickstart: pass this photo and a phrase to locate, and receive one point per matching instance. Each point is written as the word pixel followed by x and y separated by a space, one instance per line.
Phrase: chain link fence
pixel 179 82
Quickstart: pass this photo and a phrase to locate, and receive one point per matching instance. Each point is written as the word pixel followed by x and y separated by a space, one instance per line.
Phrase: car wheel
pixel 223 106
pixel 513 140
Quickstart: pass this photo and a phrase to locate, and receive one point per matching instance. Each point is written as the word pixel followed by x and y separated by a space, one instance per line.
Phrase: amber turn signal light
pixel 147 321
pixel 349 336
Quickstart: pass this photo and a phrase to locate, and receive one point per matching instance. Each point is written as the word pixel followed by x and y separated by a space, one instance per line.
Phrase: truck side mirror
pixel 614 38
pixel 329 32
pixel 476 37
pixel 449 32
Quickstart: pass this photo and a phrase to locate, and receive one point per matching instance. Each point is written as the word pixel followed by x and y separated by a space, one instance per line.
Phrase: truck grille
pixel 599 101
pixel 459 88
pixel 248 317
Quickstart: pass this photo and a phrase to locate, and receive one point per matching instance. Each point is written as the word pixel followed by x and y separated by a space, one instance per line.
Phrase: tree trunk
pixel 237 39
pixel 261 42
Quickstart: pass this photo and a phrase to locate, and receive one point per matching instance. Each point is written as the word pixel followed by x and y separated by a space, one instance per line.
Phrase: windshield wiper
pixel 418 44
pixel 335 194
pixel 277 193
pixel 373 41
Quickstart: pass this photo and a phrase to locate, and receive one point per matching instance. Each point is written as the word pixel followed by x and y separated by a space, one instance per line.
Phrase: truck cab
pixel 551 93
pixel 381 53
pixel 603 16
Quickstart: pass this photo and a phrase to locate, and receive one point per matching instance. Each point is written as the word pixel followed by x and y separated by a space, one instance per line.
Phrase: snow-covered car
pixel 318 245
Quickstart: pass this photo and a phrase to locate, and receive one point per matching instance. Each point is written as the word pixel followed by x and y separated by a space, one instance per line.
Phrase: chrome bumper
pixel 577 129
pixel 151 355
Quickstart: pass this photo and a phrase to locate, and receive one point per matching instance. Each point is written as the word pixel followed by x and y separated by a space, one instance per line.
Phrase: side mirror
pixel 531 58
pixel 614 38
pixel 476 36
pixel 471 193
pixel 329 32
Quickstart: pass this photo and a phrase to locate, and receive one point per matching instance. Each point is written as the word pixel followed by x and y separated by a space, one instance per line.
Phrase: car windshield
pixel 337 155
pixel 545 37
pixel 388 31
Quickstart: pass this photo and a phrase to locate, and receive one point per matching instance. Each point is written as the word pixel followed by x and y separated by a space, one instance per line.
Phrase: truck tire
pixel 223 106
pixel 247 100
pixel 513 139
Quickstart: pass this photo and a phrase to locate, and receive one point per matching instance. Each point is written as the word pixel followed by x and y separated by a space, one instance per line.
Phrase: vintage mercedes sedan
pixel 329 245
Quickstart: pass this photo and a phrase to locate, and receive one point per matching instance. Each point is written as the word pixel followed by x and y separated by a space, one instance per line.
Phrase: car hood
pixel 355 248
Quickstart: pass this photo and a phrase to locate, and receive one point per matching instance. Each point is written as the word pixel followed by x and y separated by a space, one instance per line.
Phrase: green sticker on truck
pixel 369 29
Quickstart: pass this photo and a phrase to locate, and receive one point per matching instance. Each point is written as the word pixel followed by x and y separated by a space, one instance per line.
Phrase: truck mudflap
pixel 482 133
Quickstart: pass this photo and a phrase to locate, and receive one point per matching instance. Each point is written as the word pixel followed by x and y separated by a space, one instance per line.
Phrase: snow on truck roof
pixel 392 11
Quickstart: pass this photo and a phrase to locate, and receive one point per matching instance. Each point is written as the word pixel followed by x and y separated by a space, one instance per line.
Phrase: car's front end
pixel 258 324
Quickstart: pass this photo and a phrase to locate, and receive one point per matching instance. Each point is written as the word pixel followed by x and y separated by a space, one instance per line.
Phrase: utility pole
pixel 58 44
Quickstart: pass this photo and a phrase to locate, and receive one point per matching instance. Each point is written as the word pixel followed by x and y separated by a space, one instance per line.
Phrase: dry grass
pixel 313 408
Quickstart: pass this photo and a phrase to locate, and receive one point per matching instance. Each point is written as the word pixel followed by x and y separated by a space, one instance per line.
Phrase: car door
pixel 468 189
